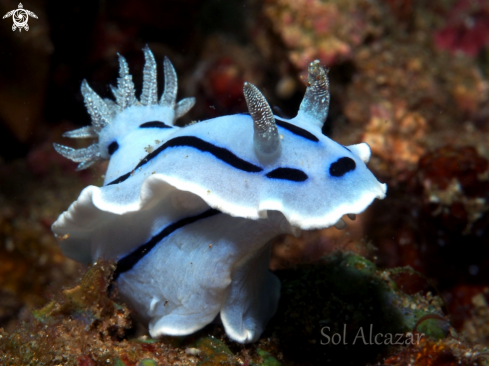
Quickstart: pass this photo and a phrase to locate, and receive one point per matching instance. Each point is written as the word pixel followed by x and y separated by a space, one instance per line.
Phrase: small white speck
pixel 192 351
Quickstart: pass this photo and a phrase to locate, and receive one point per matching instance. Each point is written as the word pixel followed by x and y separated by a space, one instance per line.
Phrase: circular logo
pixel 20 18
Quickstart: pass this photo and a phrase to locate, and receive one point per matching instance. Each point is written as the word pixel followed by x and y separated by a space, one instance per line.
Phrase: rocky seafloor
pixel 410 78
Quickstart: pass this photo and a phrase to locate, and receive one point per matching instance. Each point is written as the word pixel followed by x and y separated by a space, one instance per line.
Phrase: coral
pixel 440 209
pixel 466 29
pixel 212 352
pixel 461 307
pixel 62 330
pixel 396 98
pixel 389 132
pixel 476 327
pixel 402 9
pixel 325 30
pixel 223 67
pixel 225 76
pixel 32 267
pixel 455 185
pixel 84 326
pixel 448 352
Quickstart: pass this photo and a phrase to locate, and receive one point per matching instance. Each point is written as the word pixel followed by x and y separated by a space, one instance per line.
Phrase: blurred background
pixel 409 77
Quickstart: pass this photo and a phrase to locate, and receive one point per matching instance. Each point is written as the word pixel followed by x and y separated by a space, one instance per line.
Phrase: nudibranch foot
pixel 252 299
pixel 211 264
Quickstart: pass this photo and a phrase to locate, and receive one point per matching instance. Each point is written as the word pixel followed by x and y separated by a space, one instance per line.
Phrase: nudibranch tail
pixel 266 139
pixel 104 112
pixel 316 99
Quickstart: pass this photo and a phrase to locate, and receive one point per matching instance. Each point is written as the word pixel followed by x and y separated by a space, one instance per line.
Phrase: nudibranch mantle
pixel 188 213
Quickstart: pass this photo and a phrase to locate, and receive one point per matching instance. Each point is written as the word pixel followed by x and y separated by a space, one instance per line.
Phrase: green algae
pixel 119 362
pixel 214 352
pixel 148 362
pixel 43 314
pixel 144 362
pixel 268 359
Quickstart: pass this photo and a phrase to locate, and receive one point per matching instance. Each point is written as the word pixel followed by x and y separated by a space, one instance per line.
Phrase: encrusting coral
pixel 84 326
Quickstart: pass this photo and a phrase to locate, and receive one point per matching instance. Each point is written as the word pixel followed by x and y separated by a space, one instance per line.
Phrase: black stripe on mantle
pixel 191 141
pixel 297 130
pixel 129 261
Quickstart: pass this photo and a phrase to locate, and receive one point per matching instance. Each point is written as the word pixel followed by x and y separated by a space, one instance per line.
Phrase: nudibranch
pixel 188 213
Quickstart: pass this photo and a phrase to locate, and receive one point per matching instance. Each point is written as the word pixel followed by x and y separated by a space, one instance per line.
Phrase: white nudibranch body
pixel 188 213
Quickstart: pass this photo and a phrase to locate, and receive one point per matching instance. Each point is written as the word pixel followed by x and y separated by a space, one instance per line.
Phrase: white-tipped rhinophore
pixel 266 139
pixel 316 100
pixel 105 111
